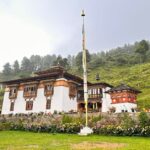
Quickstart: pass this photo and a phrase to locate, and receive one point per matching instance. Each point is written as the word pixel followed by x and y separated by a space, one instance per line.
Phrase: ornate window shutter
pixel 72 90
pixel 29 105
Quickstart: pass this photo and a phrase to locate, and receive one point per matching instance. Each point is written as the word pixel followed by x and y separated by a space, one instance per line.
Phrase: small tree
pixel 61 62
pixel 16 67
pixel 7 69
pixel 26 64
pixel 141 49
pixel 78 59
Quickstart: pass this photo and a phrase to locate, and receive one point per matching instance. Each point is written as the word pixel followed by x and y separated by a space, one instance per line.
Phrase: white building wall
pixel 6 104
pixel 20 104
pixel 107 103
pixel 39 104
pixel 57 102
pixel 124 106
pixel 106 100
pixel 60 101
pixel 69 103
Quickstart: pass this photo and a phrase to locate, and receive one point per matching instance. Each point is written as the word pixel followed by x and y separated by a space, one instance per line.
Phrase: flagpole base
pixel 85 131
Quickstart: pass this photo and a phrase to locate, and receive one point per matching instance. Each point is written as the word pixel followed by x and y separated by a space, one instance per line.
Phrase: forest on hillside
pixel 128 55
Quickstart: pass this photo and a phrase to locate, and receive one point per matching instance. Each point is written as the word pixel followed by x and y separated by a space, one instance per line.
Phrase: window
pixel 124 99
pixel 80 95
pixel 95 93
pixel 13 93
pixel 132 110
pixel 30 91
pixel 11 106
pixel 48 89
pixel 29 105
pixel 114 101
pixel 48 104
pixel 72 90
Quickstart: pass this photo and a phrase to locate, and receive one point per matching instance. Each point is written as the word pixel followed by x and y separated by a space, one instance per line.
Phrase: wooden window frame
pixel 12 103
pixel 30 91
pixel 48 89
pixel 29 105
pixel 95 92
pixel 13 92
pixel 72 90
pixel 48 104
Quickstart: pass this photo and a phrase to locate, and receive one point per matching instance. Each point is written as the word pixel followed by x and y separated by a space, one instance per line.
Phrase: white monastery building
pixel 57 90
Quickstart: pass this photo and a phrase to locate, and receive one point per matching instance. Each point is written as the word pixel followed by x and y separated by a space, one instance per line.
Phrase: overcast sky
pixel 30 27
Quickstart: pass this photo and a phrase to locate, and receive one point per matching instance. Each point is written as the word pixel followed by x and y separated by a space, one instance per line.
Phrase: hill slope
pixel 137 76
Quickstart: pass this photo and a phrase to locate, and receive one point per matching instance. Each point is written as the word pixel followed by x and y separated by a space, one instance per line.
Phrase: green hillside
pixel 137 76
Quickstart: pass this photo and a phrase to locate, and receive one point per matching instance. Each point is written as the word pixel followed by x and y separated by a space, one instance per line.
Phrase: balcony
pixel 48 93
pixel 13 96
pixel 91 98
pixel 29 94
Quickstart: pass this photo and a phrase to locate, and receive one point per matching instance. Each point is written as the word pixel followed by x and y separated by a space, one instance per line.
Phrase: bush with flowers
pixel 104 124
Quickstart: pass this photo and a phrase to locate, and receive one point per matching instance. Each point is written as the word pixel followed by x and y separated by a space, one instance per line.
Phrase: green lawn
pixel 16 140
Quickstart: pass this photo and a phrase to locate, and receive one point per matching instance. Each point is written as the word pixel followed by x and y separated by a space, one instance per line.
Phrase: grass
pixel 17 140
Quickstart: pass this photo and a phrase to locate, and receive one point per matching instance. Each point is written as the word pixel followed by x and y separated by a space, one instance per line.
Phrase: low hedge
pixel 5 126
pixel 121 125
pixel 75 128
pixel 120 131
pixel 63 128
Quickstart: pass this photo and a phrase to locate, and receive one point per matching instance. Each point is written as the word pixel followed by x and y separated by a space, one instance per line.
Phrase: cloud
pixel 20 38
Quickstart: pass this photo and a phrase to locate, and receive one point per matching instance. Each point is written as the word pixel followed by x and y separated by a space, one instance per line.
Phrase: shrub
pixel 144 119
pixel 127 121
pixel 118 125
pixel 66 119
pixel 55 112
pixel 120 131
pixel 69 128
pixel 96 118
pixel 5 126
pixel 79 120
pixel 112 109
pixel 145 131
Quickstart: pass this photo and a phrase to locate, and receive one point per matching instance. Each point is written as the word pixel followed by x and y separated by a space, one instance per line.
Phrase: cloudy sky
pixel 29 27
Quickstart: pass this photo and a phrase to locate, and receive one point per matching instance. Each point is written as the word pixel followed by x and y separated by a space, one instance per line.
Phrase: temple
pixel 124 98
pixel 57 90
pixel 53 90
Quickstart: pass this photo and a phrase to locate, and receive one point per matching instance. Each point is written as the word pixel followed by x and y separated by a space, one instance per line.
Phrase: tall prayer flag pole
pixel 84 69
pixel 86 130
